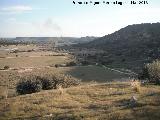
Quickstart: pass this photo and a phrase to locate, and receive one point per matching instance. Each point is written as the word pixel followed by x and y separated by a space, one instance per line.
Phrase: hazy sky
pixel 63 18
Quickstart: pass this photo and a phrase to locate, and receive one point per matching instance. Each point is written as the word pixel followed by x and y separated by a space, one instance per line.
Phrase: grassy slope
pixel 94 101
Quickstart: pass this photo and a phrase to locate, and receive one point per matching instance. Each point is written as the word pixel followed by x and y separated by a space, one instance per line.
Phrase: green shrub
pixel 65 81
pixel 47 82
pixel 151 71
pixel 85 62
pixel 143 75
pixel 32 83
pixel 28 85
pixel 6 67
pixel 56 80
pixel 56 65
pixel 72 63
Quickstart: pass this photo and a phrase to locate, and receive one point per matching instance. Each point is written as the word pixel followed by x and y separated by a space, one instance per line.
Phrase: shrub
pixel 123 60
pixel 72 63
pixel 28 85
pixel 29 50
pixel 85 63
pixel 151 71
pixel 33 83
pixel 143 75
pixel 56 65
pixel 66 81
pixel 6 67
pixel 62 80
pixel 47 82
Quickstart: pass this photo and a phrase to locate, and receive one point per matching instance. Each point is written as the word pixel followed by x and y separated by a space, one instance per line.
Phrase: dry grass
pixel 90 102
pixel 96 73
pixel 136 85
pixel 30 59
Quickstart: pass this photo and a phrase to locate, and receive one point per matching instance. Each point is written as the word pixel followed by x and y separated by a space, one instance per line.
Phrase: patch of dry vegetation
pixel 109 101
pixel 32 61
pixel 136 85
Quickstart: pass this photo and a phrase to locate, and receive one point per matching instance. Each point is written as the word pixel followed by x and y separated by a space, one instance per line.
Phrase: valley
pixel 76 80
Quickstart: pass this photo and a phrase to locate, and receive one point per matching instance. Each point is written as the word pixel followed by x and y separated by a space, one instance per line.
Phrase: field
pixel 33 61
pixel 30 59
pixel 96 73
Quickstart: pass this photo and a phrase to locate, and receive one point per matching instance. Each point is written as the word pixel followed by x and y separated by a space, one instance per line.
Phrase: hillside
pixel 129 47
pixel 111 101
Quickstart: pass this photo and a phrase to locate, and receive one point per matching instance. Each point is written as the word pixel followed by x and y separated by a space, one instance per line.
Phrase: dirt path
pixel 127 73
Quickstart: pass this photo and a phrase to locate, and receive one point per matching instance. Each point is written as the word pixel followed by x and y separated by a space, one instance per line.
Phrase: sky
pixel 49 18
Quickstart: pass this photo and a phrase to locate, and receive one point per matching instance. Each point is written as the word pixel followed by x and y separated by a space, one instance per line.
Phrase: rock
pixel 133 101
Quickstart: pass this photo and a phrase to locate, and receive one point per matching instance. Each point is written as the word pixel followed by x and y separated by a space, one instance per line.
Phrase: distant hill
pixel 60 41
pixel 129 47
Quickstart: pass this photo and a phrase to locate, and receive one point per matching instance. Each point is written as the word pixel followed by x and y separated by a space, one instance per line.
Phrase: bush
pixel 31 84
pixel 85 63
pixel 143 75
pixel 56 80
pixel 72 63
pixel 151 71
pixel 6 67
pixel 56 65
pixel 47 82
pixel 28 85
pixel 65 81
